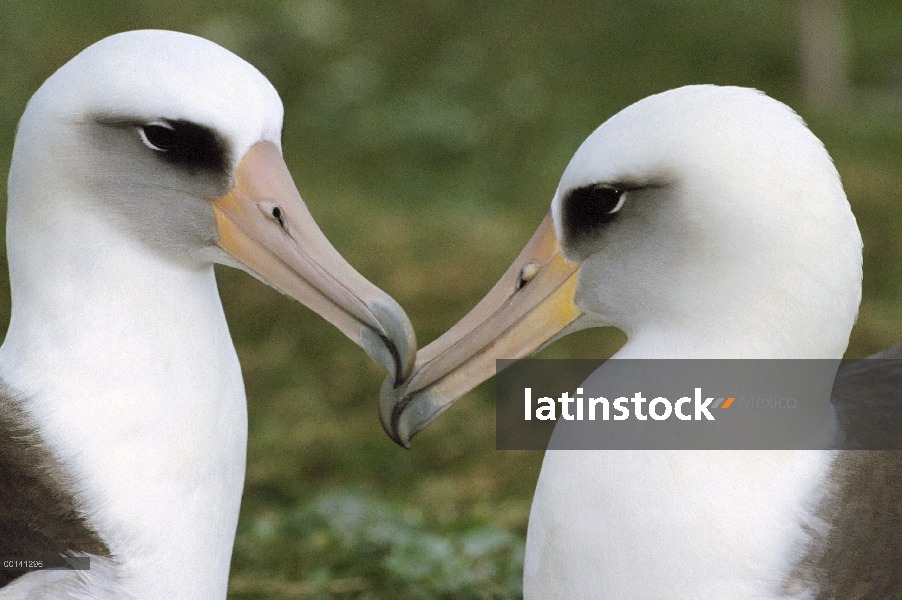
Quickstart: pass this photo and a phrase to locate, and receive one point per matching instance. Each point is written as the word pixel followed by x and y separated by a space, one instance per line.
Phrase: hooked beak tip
pixel 392 402
pixel 404 414
pixel 394 345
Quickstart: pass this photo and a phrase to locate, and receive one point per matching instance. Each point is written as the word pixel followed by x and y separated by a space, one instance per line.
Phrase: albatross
pixel 139 164
pixel 704 222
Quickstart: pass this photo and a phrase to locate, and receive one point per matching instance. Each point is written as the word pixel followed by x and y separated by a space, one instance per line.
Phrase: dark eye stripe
pixel 588 208
pixel 185 143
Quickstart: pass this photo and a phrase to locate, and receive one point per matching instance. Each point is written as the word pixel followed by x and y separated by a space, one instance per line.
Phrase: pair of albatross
pixel 123 421
pixel 705 222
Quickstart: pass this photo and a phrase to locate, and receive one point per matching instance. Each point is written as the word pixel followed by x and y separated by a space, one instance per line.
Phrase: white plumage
pixel 704 222
pixel 137 165
pixel 747 250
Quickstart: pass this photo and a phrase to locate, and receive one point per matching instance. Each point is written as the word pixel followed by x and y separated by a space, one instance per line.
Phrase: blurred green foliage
pixel 427 138
pixel 359 543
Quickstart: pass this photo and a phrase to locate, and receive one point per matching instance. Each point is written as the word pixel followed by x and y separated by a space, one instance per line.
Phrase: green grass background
pixel 427 139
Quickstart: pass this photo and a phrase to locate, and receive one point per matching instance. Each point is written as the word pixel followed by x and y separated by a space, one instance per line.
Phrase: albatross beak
pixel 529 306
pixel 263 223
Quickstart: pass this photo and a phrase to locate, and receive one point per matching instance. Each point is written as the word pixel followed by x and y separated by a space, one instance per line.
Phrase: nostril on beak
pixel 276 213
pixel 528 271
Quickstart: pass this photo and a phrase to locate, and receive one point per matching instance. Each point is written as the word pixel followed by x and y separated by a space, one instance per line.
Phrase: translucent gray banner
pixel 699 405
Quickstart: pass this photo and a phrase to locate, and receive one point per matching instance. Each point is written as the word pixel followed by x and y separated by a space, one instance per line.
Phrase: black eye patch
pixel 185 143
pixel 588 208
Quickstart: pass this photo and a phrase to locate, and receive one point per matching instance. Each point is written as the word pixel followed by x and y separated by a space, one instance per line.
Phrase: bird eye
pixel 185 143
pixel 587 208
pixel 158 136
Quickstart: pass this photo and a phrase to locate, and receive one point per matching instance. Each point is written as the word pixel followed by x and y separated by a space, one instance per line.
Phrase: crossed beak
pixel 263 223
pixel 530 306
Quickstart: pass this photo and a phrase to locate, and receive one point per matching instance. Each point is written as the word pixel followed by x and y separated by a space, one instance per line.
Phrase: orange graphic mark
pixel 728 403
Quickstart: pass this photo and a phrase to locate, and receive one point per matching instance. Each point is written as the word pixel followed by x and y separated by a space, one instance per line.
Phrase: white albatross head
pixel 704 222
pixel 170 145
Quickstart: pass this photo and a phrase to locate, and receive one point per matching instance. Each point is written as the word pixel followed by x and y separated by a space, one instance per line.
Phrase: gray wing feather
pixel 859 552
pixel 39 514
